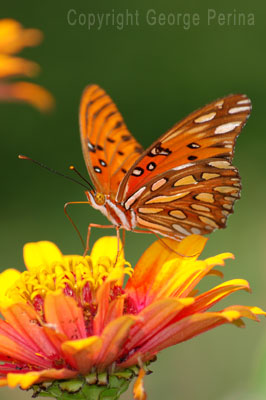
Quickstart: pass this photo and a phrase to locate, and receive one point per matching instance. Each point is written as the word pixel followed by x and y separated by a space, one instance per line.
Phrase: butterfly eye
pixel 99 199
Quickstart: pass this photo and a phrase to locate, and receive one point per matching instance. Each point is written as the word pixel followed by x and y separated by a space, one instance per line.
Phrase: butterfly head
pixel 99 199
pixel 95 198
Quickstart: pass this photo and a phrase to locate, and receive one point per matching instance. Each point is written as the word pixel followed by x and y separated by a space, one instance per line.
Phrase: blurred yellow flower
pixel 70 322
pixel 13 38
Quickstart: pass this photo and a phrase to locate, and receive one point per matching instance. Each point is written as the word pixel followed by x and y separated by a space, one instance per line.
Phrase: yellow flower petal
pixel 152 264
pixel 84 352
pixel 246 311
pixel 28 379
pixel 192 246
pixel 41 254
pixel 7 280
pixel 107 245
pixel 74 346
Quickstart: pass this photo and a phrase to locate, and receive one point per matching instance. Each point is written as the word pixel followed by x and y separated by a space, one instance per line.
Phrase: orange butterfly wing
pixel 108 147
pixel 185 182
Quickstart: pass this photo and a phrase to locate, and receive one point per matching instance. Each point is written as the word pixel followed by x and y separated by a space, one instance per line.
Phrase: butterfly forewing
pixel 185 182
pixel 108 147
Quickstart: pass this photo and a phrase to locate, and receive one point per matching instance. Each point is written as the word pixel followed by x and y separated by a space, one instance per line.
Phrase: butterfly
pixel 183 184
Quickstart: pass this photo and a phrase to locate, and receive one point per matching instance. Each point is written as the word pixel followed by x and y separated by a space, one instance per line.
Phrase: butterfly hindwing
pixel 108 147
pixel 196 200
pixel 188 169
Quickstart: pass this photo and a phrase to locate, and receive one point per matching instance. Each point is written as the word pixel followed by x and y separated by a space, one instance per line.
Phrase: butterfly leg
pixel 123 238
pixel 98 226
pixel 163 242
pixel 71 220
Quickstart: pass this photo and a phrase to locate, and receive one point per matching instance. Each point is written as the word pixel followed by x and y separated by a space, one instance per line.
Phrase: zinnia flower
pixel 70 325
pixel 13 38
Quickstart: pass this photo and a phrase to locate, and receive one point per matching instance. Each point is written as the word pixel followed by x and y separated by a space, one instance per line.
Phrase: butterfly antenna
pixel 22 157
pixel 72 168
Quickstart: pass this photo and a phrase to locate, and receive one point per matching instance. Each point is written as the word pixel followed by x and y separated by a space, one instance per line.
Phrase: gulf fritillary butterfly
pixel 183 184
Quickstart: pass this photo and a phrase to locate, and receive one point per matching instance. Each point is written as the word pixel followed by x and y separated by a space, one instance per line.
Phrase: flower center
pixel 77 276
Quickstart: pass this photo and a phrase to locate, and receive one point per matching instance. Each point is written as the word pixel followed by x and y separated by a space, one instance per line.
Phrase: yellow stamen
pixel 72 273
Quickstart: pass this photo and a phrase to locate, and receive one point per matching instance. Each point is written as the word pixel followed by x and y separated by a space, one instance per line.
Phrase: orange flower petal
pixel 84 352
pixel 21 352
pixel 175 279
pixel 14 66
pixel 115 310
pixel 3 382
pixel 25 321
pixel 56 337
pixel 64 313
pixel 40 254
pixel 151 265
pixel 13 37
pixel 113 337
pixel 190 276
pixel 157 254
pixel 196 324
pixel 28 379
pixel 154 318
pixel 206 300
pixel 27 92
pixel 103 303
pixel 138 390
pixel 189 327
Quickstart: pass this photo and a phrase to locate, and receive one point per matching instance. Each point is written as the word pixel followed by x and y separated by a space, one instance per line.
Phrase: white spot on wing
pixel 223 164
pixel 134 197
pixel 245 101
pixel 236 110
pixel 151 226
pixel 205 118
pixel 166 199
pixel 182 166
pixel 137 172
pixel 220 104
pixel 158 184
pixel 196 231
pixel 228 127
pixel 180 229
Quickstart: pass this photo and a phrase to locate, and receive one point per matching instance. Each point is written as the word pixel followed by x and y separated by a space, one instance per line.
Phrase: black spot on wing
pixel 193 145
pixel 151 166
pixel 138 149
pixel 158 150
pixel 126 138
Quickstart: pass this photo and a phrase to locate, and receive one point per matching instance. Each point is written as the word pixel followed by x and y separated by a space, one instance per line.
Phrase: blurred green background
pixel 156 75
